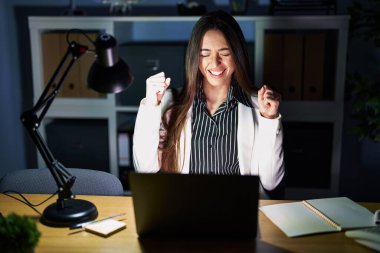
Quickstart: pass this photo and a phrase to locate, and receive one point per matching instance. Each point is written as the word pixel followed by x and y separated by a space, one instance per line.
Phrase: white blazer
pixel 259 139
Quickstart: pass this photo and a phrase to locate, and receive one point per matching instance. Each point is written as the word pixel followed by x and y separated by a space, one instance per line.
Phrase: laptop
pixel 195 206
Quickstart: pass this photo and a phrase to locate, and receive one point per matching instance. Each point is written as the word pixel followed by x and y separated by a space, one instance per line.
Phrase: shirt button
pixel 210 146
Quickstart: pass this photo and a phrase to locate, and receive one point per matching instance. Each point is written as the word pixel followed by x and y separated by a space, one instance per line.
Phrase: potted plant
pixel 365 92
pixel 366 107
pixel 18 234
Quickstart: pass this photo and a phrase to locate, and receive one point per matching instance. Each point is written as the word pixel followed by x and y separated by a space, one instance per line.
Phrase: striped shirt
pixel 214 147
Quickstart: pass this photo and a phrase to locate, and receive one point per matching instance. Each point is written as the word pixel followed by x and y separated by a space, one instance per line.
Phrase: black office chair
pixel 88 182
pixel 278 193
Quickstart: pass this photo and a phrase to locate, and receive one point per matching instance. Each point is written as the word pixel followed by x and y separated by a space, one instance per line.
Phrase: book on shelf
pixel 318 216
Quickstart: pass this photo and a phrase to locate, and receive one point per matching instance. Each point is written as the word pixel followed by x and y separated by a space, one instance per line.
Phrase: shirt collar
pixel 235 95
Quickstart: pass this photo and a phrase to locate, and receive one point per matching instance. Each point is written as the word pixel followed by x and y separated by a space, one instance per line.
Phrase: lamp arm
pixel 45 100
pixel 32 120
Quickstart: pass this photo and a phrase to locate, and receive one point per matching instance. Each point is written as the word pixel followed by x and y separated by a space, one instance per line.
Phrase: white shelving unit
pixel 312 111
pixel 174 28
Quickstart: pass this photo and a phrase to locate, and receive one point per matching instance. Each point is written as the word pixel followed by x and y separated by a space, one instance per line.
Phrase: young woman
pixel 219 123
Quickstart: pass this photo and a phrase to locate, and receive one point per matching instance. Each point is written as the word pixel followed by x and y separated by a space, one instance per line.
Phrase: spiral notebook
pixel 318 216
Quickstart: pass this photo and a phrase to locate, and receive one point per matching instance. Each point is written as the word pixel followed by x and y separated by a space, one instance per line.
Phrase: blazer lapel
pixel 185 144
pixel 245 138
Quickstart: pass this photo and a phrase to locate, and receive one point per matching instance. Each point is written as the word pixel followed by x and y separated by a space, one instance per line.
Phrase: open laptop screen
pixel 179 205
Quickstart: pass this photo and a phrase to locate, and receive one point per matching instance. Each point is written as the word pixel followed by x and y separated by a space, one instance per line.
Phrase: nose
pixel 215 60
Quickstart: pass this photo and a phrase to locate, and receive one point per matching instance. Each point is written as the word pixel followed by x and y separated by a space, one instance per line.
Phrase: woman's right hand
pixel 156 86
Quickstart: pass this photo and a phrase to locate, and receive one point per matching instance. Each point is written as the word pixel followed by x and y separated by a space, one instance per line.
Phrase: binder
pixel 313 74
pixel 51 56
pixel 124 149
pixel 85 62
pixel 292 66
pixel 273 61
pixel 70 87
pixel 54 47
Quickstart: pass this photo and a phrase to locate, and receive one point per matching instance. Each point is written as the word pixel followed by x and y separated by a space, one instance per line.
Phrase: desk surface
pixel 270 238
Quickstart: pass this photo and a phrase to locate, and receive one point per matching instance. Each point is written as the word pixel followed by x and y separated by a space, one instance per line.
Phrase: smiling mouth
pixel 216 73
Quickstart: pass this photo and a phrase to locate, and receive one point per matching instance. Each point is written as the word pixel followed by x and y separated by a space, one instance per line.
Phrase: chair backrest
pixel 88 182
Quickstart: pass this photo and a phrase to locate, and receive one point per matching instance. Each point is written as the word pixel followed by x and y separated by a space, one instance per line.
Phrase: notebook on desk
pixel 315 216
pixel 187 206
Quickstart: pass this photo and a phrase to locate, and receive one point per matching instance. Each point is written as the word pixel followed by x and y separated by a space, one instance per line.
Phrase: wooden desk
pixel 270 239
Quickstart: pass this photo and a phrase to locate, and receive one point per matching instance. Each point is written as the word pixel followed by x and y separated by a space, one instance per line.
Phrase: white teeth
pixel 216 73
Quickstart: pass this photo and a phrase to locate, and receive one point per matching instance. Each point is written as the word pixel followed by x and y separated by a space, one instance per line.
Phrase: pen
pixel 81 225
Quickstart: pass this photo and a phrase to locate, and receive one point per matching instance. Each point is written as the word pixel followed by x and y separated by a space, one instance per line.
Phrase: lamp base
pixel 75 211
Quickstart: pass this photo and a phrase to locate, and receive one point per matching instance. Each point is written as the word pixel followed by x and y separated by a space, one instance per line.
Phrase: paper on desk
pixel 105 228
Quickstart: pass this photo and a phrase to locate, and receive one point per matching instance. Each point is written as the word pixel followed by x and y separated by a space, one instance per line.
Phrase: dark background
pixel 360 162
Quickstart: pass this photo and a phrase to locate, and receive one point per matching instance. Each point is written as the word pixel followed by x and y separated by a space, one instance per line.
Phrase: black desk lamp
pixel 108 74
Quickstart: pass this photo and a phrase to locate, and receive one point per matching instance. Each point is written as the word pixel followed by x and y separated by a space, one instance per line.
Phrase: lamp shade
pixel 109 73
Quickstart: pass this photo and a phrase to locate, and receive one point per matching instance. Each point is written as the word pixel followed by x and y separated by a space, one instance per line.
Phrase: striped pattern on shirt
pixel 214 147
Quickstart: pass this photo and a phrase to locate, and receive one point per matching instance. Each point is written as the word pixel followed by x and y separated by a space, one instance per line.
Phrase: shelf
pixel 118 110
pixel 310 111
pixel 75 111
pixel 127 109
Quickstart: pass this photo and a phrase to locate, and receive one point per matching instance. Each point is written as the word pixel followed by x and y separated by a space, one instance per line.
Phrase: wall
pixel 13 155
pixel 15 145
pixel 360 167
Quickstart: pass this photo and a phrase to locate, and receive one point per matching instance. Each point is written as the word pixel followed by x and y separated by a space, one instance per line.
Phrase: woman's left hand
pixel 269 101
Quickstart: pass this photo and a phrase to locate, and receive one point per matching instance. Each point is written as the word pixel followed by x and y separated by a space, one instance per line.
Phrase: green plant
pixel 366 108
pixel 365 25
pixel 18 233
pixel 365 21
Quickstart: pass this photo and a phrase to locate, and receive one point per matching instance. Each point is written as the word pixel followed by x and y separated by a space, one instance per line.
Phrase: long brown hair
pixel 174 124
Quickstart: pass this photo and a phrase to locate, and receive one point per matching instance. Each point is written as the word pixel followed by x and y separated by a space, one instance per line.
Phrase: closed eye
pixel 205 52
pixel 224 52
pixel 204 55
